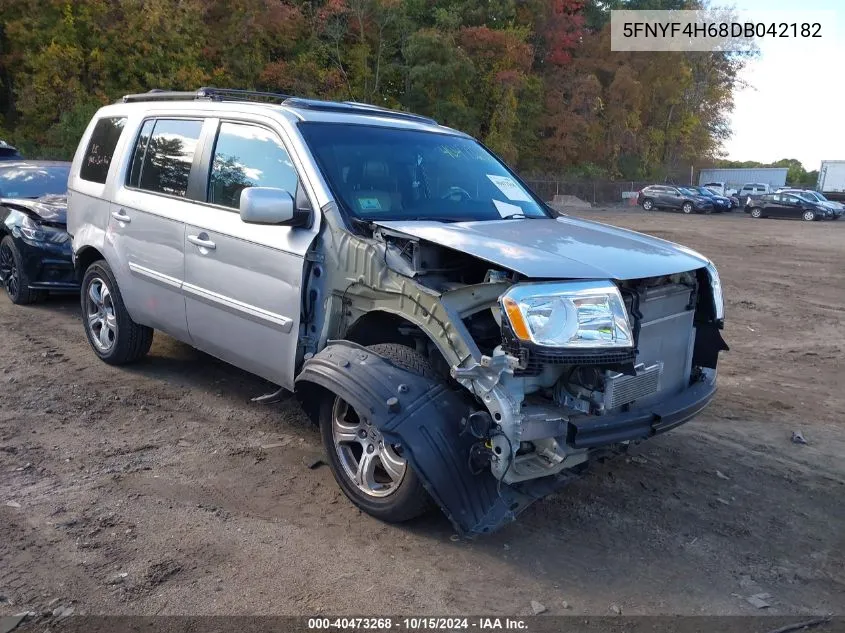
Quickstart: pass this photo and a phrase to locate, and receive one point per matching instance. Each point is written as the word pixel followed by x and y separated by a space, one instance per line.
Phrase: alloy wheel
pixel 99 310
pixel 9 270
pixel 373 466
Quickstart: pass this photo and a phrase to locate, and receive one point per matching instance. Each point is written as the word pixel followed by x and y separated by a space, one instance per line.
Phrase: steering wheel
pixel 457 194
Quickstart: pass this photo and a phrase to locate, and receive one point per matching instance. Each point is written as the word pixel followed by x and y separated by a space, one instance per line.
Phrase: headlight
pixel 716 287
pixel 582 314
pixel 36 232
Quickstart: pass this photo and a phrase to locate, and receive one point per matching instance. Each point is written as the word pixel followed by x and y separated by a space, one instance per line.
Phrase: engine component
pixel 478 423
pixel 623 389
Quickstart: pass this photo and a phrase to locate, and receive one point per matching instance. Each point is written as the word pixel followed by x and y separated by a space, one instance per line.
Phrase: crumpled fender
pixel 423 416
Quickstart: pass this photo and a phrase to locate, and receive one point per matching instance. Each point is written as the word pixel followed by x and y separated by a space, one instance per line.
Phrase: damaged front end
pixel 558 405
pixel 539 377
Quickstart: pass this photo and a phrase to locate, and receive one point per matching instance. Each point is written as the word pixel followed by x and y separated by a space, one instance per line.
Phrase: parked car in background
pixel 721 189
pixel 35 249
pixel 815 196
pixel 423 303
pixel 671 197
pixel 788 205
pixel 720 203
pixel 8 152
pixel 751 190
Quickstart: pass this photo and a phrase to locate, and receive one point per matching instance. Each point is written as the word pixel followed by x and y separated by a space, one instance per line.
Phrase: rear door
pixel 775 205
pixel 147 225
pixel 243 282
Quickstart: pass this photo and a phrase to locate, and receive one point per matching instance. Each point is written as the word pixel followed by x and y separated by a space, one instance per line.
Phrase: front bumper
pixel 49 266
pixel 598 431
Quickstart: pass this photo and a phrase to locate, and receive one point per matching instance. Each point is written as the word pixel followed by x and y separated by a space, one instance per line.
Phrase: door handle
pixel 120 216
pixel 202 241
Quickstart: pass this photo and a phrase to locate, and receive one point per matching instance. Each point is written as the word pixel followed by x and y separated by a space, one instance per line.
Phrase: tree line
pixel 535 80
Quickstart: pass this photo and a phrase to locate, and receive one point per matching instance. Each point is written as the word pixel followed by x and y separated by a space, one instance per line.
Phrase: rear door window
pixel 163 156
pixel 101 146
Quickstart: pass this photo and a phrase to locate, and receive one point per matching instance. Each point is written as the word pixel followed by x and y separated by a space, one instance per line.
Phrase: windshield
pixel 380 173
pixel 688 191
pixel 811 195
pixel 705 192
pixel 33 181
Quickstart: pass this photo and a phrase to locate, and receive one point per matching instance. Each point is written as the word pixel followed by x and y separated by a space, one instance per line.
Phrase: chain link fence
pixel 596 192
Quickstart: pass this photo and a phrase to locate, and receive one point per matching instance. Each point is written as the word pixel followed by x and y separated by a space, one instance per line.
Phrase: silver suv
pixel 456 342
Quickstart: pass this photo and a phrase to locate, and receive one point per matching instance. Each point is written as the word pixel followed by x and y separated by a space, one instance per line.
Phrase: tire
pixel 648 205
pixel 687 208
pixel 808 216
pixel 392 499
pixel 15 280
pixel 112 333
pixel 756 213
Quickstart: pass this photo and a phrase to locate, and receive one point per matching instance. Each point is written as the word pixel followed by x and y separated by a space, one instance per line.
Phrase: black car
pixel 8 152
pixel 787 205
pixel 35 249
pixel 670 197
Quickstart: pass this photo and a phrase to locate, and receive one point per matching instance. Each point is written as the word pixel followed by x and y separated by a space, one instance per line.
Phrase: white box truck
pixel 832 179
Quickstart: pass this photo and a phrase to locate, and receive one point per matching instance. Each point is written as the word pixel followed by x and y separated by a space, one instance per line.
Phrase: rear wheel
pixel 14 277
pixel 687 208
pixel 808 216
pixel 373 474
pixel 756 213
pixel 112 333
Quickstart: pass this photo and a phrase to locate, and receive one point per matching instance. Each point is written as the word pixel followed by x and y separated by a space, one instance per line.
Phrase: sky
pixel 794 106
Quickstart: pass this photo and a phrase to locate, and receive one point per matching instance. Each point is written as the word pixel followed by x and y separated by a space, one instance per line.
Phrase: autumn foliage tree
pixel 533 79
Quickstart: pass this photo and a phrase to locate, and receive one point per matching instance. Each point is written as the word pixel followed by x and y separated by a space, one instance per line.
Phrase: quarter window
pixel 248 156
pixel 140 152
pixel 163 156
pixel 97 159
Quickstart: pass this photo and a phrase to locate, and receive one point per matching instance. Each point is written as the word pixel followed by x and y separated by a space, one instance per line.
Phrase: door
pixel 243 282
pixel 146 225
pixel 776 205
pixel 793 206
pixel 674 198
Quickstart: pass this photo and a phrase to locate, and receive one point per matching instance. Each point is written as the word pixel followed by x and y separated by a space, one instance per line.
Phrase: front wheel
pixel 756 213
pixel 112 333
pixel 372 473
pixel 13 274
pixel 648 205
pixel 687 208
pixel 808 216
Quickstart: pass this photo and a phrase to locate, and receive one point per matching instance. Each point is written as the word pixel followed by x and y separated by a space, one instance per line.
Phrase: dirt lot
pixel 146 490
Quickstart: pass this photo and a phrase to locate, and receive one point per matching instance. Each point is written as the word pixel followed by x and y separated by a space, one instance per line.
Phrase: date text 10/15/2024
pixel 418 624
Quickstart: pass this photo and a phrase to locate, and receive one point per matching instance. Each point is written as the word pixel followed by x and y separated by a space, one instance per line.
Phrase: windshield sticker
pixel 508 187
pixel 507 210
pixel 369 204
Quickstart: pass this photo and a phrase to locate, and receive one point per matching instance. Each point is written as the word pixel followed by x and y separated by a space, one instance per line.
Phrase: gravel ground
pixel 161 489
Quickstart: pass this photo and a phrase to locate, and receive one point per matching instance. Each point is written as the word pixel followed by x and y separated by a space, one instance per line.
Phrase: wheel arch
pixel 86 256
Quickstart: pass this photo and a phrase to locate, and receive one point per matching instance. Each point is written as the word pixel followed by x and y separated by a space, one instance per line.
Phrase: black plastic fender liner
pixel 423 415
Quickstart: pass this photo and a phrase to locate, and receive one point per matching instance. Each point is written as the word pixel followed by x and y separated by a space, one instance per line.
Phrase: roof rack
pixel 354 107
pixel 228 94
pixel 209 94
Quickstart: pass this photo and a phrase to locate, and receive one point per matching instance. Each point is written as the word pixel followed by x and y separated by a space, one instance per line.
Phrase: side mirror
pixel 267 205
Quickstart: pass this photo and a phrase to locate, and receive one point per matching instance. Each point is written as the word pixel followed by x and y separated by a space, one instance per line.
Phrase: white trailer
pixel 832 179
